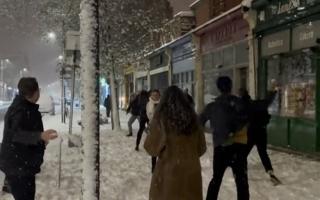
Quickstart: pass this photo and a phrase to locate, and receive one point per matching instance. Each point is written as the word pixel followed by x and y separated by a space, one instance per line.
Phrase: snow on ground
pixel 126 174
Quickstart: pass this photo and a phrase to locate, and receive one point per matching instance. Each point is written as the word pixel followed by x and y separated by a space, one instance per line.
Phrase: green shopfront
pixel 288 36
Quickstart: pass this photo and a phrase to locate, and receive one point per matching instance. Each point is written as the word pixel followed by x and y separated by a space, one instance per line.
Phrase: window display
pixel 295 79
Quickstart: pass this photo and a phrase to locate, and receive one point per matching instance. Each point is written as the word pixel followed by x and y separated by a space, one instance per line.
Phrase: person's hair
pixel 27 86
pixel 224 84
pixel 243 92
pixel 176 113
pixel 144 94
pixel 155 90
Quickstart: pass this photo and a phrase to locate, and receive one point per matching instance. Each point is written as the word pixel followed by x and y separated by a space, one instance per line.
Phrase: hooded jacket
pixel 22 149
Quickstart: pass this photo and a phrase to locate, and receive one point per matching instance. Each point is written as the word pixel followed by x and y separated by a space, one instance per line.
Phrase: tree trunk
pixel 89 40
pixel 114 103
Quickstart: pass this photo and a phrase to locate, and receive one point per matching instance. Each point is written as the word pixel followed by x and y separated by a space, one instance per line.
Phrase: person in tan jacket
pixel 177 139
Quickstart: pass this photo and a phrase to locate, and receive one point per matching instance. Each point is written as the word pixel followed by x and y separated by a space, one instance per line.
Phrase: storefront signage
pixel 225 32
pixel 283 7
pixel 286 6
pixel 276 43
pixel 228 30
pixel 306 35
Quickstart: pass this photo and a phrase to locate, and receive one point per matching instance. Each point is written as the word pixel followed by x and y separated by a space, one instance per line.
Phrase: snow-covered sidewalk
pixel 126 174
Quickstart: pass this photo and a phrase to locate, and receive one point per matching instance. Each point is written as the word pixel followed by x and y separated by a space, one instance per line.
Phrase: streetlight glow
pixel 7 60
pixel 52 36
pixel 25 69
pixel 60 57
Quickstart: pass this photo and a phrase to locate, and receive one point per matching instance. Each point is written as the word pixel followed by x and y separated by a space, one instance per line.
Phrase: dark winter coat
pixel 22 150
pixel 142 102
pixel 177 175
pixel 259 116
pixel 227 115
pixel 134 108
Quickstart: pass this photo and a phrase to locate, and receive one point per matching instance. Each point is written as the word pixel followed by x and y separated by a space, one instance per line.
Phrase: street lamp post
pixel 2 67
pixel 1 77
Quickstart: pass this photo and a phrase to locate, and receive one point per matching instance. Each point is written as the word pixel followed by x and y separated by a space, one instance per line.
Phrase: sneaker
pixel 137 148
pixel 273 178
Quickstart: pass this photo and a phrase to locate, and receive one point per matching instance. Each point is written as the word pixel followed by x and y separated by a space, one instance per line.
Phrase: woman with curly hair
pixel 177 139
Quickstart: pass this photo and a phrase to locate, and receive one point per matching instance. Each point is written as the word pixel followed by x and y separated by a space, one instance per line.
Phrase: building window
pixel 228 56
pixel 187 77
pixel 295 78
pixel 242 53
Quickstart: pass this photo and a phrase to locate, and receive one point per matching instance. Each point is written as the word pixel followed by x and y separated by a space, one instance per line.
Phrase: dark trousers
pixel 22 187
pixel 142 127
pixel 233 156
pixel 131 121
pixel 258 137
pixel 108 111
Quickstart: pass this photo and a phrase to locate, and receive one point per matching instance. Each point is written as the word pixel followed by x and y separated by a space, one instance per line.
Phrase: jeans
pixel 233 156
pixel 22 187
pixel 131 121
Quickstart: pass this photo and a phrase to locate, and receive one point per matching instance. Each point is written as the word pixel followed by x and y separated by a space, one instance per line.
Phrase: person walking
pixel 154 100
pixel 228 120
pixel 143 100
pixel 259 118
pixel 24 141
pixel 107 105
pixel 133 108
pixel 177 139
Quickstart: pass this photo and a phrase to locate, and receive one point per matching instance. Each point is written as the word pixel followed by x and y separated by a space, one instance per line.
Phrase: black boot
pixel 129 135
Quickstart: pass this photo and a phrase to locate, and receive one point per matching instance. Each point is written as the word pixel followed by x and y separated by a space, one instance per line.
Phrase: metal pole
pixel 72 94
pixel 62 95
pixel 2 84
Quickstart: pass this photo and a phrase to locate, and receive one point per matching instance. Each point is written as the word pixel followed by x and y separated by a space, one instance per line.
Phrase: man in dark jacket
pixel 24 141
pixel 259 118
pixel 227 116
pixel 133 108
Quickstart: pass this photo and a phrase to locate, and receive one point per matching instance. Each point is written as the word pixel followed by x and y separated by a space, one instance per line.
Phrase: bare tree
pixel 125 32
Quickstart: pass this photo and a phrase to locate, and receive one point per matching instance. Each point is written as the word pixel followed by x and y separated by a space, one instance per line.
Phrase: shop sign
pixel 276 43
pixel 283 7
pixel 306 35
pixel 225 32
